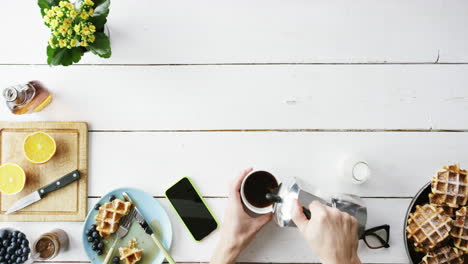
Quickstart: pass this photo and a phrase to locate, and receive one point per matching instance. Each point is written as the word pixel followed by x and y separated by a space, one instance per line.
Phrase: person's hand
pixel 332 234
pixel 238 228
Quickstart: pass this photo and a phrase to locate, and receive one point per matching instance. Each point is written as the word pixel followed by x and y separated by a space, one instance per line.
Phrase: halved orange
pixel 39 147
pixel 12 178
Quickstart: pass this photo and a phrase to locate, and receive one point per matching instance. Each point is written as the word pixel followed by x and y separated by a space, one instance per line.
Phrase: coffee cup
pixel 253 191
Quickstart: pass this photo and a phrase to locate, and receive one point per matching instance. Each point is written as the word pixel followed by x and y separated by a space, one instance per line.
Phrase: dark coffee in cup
pixel 257 185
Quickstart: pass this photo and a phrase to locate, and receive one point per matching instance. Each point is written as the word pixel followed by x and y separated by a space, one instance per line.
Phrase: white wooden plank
pixel 401 162
pixel 272 244
pixel 211 31
pixel 252 97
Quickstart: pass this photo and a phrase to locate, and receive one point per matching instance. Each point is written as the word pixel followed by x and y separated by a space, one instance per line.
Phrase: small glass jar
pixel 50 244
pixel 27 98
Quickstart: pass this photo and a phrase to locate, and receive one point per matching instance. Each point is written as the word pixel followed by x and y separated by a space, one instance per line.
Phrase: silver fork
pixel 125 224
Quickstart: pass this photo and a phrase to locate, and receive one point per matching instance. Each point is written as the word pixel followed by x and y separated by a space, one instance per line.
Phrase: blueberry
pixel 14 245
pixel 10 250
pixel 89 232
pixel 7 256
pixel 99 252
pixel 112 198
pixel 18 260
pixel 6 243
pixel 2 252
pixel 95 234
pixel 96 207
pixel 90 239
pixel 115 260
pixel 26 250
pixel 93 227
pixel 18 252
pixel 94 247
pixel 100 245
pixel 24 258
pixel 4 234
pixel 2 258
pixel 25 243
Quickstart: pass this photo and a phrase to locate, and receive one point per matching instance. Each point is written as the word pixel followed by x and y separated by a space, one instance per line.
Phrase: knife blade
pixel 42 192
pixel 148 230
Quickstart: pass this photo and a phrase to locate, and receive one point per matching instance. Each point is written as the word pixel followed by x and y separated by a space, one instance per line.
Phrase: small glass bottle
pixel 27 98
pixel 50 244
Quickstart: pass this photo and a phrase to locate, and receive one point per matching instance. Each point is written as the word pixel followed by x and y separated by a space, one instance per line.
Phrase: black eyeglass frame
pixel 372 232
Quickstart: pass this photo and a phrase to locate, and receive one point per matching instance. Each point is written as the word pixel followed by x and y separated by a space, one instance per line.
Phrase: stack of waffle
pixel 131 254
pixel 441 224
pixel 109 215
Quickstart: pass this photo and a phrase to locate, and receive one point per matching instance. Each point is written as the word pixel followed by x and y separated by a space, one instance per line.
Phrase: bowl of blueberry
pixel 14 247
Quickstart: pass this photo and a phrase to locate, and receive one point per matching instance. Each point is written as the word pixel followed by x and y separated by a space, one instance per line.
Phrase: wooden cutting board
pixel 67 204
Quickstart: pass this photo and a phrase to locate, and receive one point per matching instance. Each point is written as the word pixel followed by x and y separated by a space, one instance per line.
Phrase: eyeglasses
pixel 377 237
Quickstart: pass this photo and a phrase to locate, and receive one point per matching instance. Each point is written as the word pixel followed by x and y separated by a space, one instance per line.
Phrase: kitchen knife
pixel 42 192
pixel 141 220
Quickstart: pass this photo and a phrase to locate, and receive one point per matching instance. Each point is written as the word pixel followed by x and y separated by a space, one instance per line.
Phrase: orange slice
pixel 12 178
pixel 39 147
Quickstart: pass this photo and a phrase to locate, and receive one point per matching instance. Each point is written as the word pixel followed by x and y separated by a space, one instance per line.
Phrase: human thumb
pixel 298 217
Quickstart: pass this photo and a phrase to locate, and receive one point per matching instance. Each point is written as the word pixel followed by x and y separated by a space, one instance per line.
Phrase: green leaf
pixel 63 56
pixel 101 45
pixel 43 4
pixel 101 10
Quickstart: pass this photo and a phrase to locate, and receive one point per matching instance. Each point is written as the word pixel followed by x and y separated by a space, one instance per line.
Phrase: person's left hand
pixel 238 228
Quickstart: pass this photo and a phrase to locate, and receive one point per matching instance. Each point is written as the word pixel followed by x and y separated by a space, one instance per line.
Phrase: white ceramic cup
pixel 257 210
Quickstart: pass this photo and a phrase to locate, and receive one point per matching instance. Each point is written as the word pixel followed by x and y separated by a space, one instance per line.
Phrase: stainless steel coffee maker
pixel 288 191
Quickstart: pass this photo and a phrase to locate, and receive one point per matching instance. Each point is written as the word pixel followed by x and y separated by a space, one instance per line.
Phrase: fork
pixel 125 224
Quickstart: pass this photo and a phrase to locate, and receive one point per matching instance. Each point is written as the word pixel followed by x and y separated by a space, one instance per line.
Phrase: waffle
pixel 450 187
pixel 459 230
pixel 131 254
pixel 427 226
pixel 444 255
pixel 109 215
pixel 450 211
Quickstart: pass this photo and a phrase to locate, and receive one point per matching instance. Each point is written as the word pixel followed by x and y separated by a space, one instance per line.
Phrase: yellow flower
pixel 67 22
pixel 70 6
pixel 84 15
pixel 76 28
pixel 56 9
pixel 91 38
pixel 73 42
pixel 56 33
pixel 63 30
pixel 50 13
pixel 47 19
pixel 54 23
pixel 73 13
pixel 89 2
pixel 92 28
pixel 62 3
pixel 60 14
pixel 69 32
pixel 84 43
pixel 85 31
pixel 62 43
pixel 51 42
pixel 91 12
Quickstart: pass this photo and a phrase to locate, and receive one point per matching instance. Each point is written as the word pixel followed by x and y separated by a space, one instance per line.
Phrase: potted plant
pixel 75 29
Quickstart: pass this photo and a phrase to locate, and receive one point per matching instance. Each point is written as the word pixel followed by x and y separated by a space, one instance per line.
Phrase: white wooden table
pixel 207 88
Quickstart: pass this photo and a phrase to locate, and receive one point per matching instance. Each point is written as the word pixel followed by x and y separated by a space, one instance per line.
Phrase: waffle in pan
pixel 444 255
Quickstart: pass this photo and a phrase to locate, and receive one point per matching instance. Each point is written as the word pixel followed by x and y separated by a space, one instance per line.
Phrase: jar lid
pixel 10 94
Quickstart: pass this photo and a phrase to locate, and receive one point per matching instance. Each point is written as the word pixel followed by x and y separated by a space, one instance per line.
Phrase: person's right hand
pixel 332 234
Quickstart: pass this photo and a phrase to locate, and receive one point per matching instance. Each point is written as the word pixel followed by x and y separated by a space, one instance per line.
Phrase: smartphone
pixel 192 209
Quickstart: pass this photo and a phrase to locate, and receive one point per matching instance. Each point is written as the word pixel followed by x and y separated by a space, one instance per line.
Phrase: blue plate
pixel 154 214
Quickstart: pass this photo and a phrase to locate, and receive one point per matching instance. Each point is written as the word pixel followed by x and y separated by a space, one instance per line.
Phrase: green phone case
pixel 202 199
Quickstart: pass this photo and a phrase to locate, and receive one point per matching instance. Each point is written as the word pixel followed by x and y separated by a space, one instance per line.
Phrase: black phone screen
pixel 190 207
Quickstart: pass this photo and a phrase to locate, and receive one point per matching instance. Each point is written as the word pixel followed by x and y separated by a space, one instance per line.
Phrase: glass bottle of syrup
pixel 27 98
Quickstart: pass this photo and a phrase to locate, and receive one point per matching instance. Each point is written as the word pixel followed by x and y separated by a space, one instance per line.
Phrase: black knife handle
pixel 60 183
pixel 146 227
